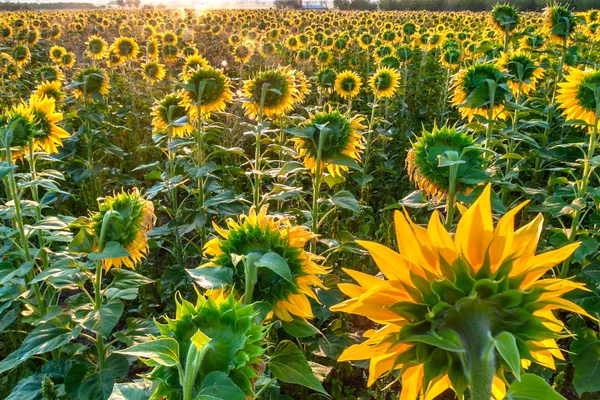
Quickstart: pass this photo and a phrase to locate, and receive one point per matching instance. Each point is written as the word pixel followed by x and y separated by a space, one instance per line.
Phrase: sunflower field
pixel 269 204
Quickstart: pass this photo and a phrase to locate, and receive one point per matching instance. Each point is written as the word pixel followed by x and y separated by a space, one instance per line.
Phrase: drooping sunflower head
pixel 384 82
pixel 533 41
pixel 504 17
pixel 21 54
pixel 231 341
pixel 472 92
pixel 423 161
pixel 51 90
pixel 523 70
pixel 559 23
pixel 208 87
pixel 336 135
pixel 130 219
pixel 264 239
pixel 579 96
pixel 96 47
pixel 126 48
pixel 193 63
pixel 276 87
pixel 171 114
pixel 348 84
pixel 90 83
pixel 19 121
pixel 49 73
pixel 5 62
pixel 48 135
pixel 446 297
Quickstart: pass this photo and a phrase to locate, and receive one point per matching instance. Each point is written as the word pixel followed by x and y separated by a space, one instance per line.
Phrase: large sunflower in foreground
pixel 262 236
pixel 347 84
pixel 445 299
pixel 48 136
pixel 559 23
pixel 134 218
pixel 279 93
pixel 210 88
pixel 342 139
pixel 577 96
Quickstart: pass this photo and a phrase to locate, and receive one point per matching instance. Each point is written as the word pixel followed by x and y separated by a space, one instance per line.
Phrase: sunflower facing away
pixel 577 96
pixel 153 72
pixel 523 70
pixel 134 218
pixel 280 91
pixel 48 136
pixel 90 83
pixel 20 119
pixel 50 89
pixel 384 82
pixel 193 63
pixel 348 84
pixel 96 47
pixel 126 48
pixel 262 236
pixel 211 88
pixel 444 298
pixel 171 114
pixel 339 136
pixel 559 23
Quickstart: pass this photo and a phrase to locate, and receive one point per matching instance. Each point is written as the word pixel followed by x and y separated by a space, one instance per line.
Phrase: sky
pixel 208 4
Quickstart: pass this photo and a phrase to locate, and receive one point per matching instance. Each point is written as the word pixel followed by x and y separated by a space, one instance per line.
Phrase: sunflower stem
pixel 450 206
pixel 317 190
pixel 257 161
pixel 490 122
pixel 200 154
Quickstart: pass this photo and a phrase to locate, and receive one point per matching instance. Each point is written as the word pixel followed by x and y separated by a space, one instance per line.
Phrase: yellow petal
pixel 389 262
pixel 412 382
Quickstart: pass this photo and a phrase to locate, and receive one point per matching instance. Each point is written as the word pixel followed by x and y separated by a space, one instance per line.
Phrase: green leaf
pixel 111 250
pixel 531 387
pixel 277 264
pixel 128 279
pixel 28 388
pixel 137 390
pixel 164 351
pixel 346 200
pixel 75 376
pixel 289 365
pixel 97 386
pixel 103 320
pixel 212 277
pixel 299 328
pixel 218 386
pixel 586 360
pixel 83 242
pixel 346 161
pixel 506 344
pixel 446 339
pixel 42 339
pixel 5 168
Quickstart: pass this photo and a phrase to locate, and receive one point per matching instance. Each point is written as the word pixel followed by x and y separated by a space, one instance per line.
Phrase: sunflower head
pixel 274 248
pixel 152 48
pixel 51 90
pixel 348 84
pixel 20 53
pixel 90 83
pixel 243 52
pixel 19 123
pixel 232 342
pixel 504 17
pixel 193 63
pixel 384 82
pixel 126 218
pixel 170 53
pixel 126 48
pixel 559 23
pixel 326 78
pixel 523 70
pixel 579 96
pixel 473 89
pixel 208 88
pixel 67 60
pixel 153 72
pixel 171 114
pixel 424 159
pixel 96 47
pixel 277 87
pixel 446 299
pixel 48 135
pixel 533 41
pixel 56 53
pixel 49 73
pixel 336 136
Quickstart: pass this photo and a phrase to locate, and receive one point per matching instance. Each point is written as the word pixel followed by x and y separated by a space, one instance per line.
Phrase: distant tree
pixel 121 3
pixel 341 4
pixel 288 4
pixel 160 6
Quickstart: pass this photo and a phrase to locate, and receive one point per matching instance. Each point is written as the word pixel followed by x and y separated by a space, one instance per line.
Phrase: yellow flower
pixel 90 83
pixel 439 292
pixel 171 114
pixel 279 93
pixel 193 63
pixel 56 53
pixel 210 87
pixel 126 48
pixel 577 96
pixel 96 47
pixel 384 82
pixel 153 72
pixel 259 233
pixel 348 84
pixel 520 63
pixel 49 135
pixel 50 89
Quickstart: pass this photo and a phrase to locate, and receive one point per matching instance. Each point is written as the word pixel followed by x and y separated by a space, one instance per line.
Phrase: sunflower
pixel 533 41
pixel 127 48
pixel 348 84
pixel 423 159
pixel 472 93
pixel 384 82
pixel 258 236
pixel 559 23
pixel 578 96
pixel 338 137
pixel 48 135
pixel 133 217
pixel 56 53
pixel 193 63
pixel 523 70
pixel 90 83
pixel 243 52
pixel 49 73
pixel 51 90
pixel 19 119
pixel 445 299
pixel 210 88
pixel 170 38
pixel 5 61
pixel 171 114
pixel 279 93
pixel 67 60
pixel 504 17
pixel 96 47
pixel 20 53
pixel 326 79
pixel 170 53
pixel 153 72
pixel 113 58
pixel 302 85
pixel 152 49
